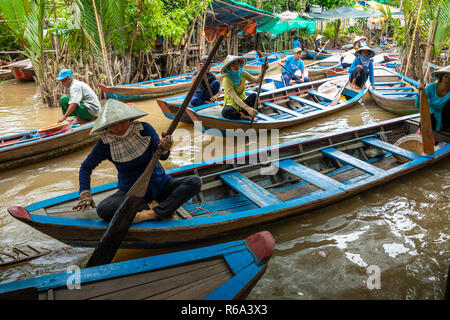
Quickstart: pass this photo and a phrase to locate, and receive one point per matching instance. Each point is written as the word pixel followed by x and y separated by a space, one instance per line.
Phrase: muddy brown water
pixel 391 242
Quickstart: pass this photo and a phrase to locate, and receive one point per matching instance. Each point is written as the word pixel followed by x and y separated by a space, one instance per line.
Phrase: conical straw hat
pixel 230 59
pixel 439 73
pixel 319 36
pixel 113 112
pixel 372 52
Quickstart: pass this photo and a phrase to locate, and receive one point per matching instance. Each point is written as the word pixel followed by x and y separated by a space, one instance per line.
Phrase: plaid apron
pixel 129 146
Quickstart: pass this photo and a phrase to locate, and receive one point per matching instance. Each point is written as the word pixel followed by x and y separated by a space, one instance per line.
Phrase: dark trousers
pixel 200 97
pixel 230 112
pixel 287 77
pixel 360 75
pixel 445 118
pixel 175 192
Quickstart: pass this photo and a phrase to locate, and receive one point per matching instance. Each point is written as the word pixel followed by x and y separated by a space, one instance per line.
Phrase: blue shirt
pixel 435 103
pixel 357 62
pixel 297 44
pixel 128 172
pixel 293 65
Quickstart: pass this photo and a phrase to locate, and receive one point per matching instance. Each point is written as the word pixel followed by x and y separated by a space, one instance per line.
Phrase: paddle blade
pixel 116 231
pixel 425 125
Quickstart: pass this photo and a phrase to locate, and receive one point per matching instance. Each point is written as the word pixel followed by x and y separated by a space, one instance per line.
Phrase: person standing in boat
pixel 362 68
pixel 438 95
pixel 291 65
pixel 320 45
pixel 83 103
pixel 207 92
pixel 296 43
pixel 130 146
pixel 237 105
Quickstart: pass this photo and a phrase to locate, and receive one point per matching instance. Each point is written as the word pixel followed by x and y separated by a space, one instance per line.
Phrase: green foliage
pixel 8 41
pixel 330 4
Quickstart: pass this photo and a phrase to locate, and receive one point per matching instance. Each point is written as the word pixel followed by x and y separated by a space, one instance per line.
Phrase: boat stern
pixel 262 245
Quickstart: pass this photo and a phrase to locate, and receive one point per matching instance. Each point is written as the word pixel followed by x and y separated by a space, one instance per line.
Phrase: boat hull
pixel 15 153
pixel 238 214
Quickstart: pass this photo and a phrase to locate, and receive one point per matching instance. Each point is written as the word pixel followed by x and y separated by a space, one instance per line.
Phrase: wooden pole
pixel 102 42
pixel 412 39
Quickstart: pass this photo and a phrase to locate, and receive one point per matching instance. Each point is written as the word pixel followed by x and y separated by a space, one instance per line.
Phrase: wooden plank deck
pixel 392 148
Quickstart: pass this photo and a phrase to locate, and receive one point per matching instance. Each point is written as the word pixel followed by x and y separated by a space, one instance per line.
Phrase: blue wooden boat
pixel 218 272
pixel 282 107
pixel 252 188
pixel 397 95
pixel 313 54
pixel 28 147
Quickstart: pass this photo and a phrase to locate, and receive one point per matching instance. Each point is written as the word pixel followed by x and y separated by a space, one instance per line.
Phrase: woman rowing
pixel 237 105
pixel 130 145
pixel 438 95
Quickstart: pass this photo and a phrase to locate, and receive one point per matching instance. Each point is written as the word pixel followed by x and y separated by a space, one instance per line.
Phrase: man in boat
pixel 320 45
pixel 130 146
pixel 296 43
pixel 438 95
pixel 207 91
pixel 362 68
pixel 237 105
pixel 83 103
pixel 290 65
pixel 359 42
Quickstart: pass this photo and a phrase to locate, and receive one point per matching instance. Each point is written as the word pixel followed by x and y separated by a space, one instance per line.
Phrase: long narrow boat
pixel 312 54
pixel 253 188
pixel 254 66
pixel 170 106
pixel 150 89
pixel 157 88
pixel 28 147
pixel 319 69
pixel 23 71
pixel 288 106
pixel 397 95
pixel 218 272
pixel 5 74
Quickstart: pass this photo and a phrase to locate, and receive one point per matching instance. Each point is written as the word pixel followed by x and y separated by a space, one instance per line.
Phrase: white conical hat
pixel 438 73
pixel 113 112
pixel 230 59
pixel 357 38
pixel 319 36
pixel 372 54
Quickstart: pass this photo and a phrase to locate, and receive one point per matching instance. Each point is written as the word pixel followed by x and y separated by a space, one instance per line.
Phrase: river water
pixel 391 242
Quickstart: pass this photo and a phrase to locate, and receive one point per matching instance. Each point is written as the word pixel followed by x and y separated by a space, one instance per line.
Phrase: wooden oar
pixel 261 79
pixel 426 129
pixel 295 76
pixel 320 50
pixel 338 96
pixel 124 215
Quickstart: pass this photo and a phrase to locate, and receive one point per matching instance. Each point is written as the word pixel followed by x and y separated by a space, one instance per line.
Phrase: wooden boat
pixel 28 147
pixel 23 71
pixel 336 72
pixel 170 106
pixel 150 89
pixel 312 54
pixel 253 188
pixel 254 66
pixel 281 108
pixel 5 74
pixel 218 272
pixel 319 69
pixel 397 95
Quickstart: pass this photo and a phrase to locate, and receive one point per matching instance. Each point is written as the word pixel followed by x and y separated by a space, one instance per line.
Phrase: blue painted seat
pixel 306 101
pixel 415 93
pixel 316 178
pixel 392 148
pixel 361 165
pixel 388 83
pixel 249 189
pixel 317 94
pixel 396 88
pixel 281 108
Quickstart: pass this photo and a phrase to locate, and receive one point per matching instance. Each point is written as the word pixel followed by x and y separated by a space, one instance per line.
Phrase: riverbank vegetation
pixel 123 41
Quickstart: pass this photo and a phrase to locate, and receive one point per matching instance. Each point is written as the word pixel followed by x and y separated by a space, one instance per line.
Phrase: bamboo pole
pixel 102 42
pixel 413 37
